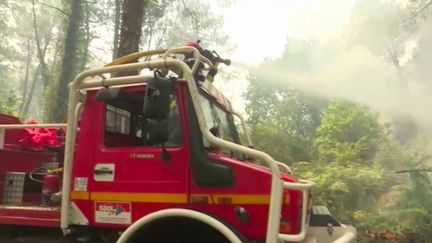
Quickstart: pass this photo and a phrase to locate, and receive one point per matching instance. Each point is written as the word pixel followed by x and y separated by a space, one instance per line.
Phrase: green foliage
pixel 275 140
pixel 356 156
pixel 9 100
pixel 419 193
pixel 348 133
pixel 353 156
pixel 285 116
pixel 391 154
pixel 344 188
pixel 11 103
pixel 401 221
pixel 170 23
pixel 372 195
pixel 372 27
pixel 49 104
pixel 280 112
pixel 166 23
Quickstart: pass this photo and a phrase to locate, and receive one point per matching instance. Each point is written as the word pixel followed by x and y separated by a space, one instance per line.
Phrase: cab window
pixel 117 120
pixel 125 125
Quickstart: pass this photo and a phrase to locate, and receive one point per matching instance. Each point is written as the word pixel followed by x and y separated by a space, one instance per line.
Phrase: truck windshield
pixel 219 121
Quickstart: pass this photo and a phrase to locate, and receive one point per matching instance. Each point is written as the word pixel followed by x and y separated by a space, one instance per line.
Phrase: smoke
pixel 356 74
pixel 363 77
pixel 384 66
pixel 241 65
pixel 382 60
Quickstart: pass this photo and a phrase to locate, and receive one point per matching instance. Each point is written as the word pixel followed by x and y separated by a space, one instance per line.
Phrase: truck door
pixel 130 176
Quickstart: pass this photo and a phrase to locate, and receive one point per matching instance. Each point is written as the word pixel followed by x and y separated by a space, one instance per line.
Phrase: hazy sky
pixel 259 28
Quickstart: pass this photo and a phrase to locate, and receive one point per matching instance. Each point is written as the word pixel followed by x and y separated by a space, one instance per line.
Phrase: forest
pixel 352 114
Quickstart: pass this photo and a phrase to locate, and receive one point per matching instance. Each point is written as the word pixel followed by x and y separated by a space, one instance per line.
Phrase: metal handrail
pixel 244 126
pixel 22 126
pixel 197 55
pixel 285 167
pixel 304 186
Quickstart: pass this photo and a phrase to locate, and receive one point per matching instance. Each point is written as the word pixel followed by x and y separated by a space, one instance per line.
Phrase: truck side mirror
pixel 157 131
pixel 157 101
pixel 158 98
pixel 158 134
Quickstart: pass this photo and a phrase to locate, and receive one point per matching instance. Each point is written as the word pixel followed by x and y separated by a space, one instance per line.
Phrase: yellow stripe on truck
pixel 139 197
pixel 77 195
pixel 173 197
pixel 242 198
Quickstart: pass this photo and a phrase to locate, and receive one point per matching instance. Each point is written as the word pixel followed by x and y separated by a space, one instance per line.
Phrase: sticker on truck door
pixel 80 184
pixel 113 212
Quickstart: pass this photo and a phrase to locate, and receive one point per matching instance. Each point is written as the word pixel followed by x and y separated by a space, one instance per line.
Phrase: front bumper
pixel 324 228
pixel 317 223
pixel 339 234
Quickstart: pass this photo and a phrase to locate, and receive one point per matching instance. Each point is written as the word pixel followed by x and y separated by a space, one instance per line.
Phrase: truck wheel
pixel 179 230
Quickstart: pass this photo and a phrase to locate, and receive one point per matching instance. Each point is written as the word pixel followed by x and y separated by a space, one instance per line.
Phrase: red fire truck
pixel 151 155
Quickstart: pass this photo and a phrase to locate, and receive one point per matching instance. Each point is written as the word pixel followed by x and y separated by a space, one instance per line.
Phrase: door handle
pixel 103 171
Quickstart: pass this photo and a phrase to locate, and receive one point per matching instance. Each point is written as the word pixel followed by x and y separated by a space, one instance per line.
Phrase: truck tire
pixel 178 225
pixel 179 230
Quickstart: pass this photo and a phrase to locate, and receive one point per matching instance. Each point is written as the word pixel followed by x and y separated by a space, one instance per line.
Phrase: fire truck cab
pixel 155 157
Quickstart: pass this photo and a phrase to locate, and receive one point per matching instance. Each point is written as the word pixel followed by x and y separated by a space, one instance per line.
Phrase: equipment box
pixel 19 188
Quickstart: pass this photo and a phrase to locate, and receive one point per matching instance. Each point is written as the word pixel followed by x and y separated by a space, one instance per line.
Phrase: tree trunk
pixel 41 56
pixel 131 29
pixel 30 94
pixel 116 27
pixel 26 77
pixel 87 37
pixel 70 59
pixel 27 100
